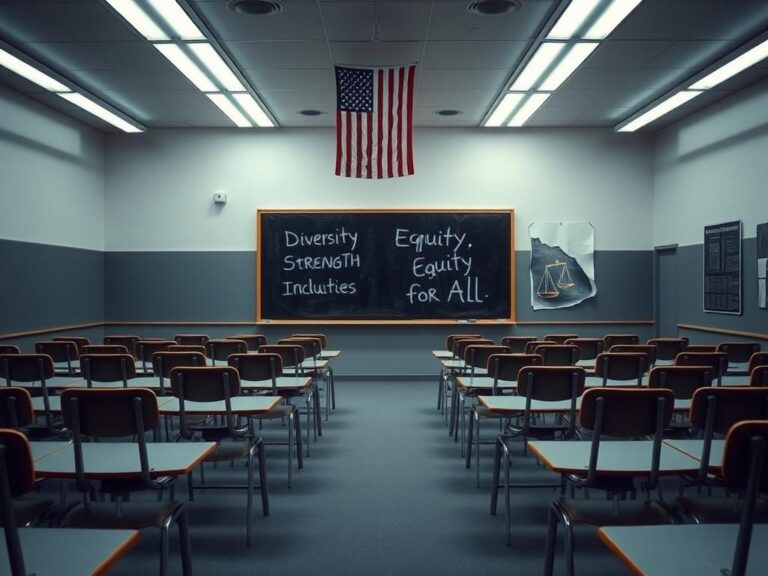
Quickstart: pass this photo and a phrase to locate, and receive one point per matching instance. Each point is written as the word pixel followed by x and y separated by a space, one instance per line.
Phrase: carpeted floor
pixel 385 492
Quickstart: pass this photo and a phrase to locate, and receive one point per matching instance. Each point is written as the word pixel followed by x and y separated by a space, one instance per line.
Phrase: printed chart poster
pixel 562 264
pixel 762 264
pixel 722 268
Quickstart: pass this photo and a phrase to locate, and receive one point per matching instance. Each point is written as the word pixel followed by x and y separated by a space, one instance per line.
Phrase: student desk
pixel 70 551
pixel 684 549
pixel 694 447
pixel 442 354
pixel 241 405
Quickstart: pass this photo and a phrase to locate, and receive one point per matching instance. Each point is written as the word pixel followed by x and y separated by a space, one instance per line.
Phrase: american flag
pixel 374 119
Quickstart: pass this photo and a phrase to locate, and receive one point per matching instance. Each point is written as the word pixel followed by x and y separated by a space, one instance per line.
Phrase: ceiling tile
pixel 278 55
pixel 376 53
pixel 491 54
pixel 297 21
pixel 452 21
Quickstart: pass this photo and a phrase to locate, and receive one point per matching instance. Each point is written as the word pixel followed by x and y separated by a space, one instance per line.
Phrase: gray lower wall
pixel 44 286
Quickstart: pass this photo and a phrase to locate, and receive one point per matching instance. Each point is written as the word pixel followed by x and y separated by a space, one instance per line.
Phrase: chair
pixel 9 349
pixel 610 340
pixel 684 381
pixel 558 354
pixel 560 338
pixel 145 349
pixel 92 414
pixel 312 348
pixel 323 338
pixel 759 376
pixel 191 339
pixel 589 348
pixel 252 341
pixel 667 349
pixel 648 349
pixel 166 360
pixel 460 346
pixel 701 348
pixel 738 353
pixel 717 360
pixel 123 340
pixel 61 352
pixel 104 349
pixel 530 347
pixel 28 369
pixel 79 341
pixel 221 349
pixel 757 359
pixel 188 348
pixel 621 366
pixel 268 367
pixel 516 344
pixel 221 384
pixel 16 410
pixel 107 368
pixel 451 340
pixel 622 413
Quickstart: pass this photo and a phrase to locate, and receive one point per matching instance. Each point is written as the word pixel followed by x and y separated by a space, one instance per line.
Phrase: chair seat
pixel 28 512
pixel 602 512
pixel 229 451
pixel 135 516
pixel 718 510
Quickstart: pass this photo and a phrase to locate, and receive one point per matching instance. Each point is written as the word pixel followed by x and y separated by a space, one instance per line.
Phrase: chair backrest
pixel 738 352
pixel 716 409
pixel 108 368
pixel 589 348
pixel 253 341
pixel 9 349
pixel 551 383
pixel 205 384
pixel 58 350
pixel 146 348
pixel 79 341
pixel 15 408
pixel 701 348
pixel 257 367
pixel 759 376
pixel 312 346
pixel 166 360
pixel 558 354
pixel 626 412
pixel 323 338
pixel 221 349
pixel 476 355
pixel 516 344
pixel 757 359
pixel 506 367
pixel 648 349
pixel 199 349
pixel 26 368
pixel 614 339
pixel 717 360
pixel 450 341
pixel 682 380
pixel 129 341
pixel 621 366
pixel 19 463
pixel 191 339
pixel 94 349
pixel 530 347
pixel 290 354
pixel 668 348
pixel 459 346
pixel 109 413
pixel 560 338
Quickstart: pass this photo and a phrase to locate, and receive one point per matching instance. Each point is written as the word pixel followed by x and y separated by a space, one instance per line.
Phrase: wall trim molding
pixel 50 330
pixel 714 330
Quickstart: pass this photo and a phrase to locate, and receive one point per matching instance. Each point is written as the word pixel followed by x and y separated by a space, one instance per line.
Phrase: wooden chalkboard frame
pixel 512 292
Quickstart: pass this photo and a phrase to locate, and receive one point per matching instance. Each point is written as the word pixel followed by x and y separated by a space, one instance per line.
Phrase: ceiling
pixel 464 59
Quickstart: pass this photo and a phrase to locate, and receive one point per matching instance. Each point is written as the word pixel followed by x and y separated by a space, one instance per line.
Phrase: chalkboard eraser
pixel 468 321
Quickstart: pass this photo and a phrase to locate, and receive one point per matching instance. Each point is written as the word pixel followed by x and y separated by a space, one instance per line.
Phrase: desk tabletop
pixel 442 354
pixel 241 405
pixel 516 404
pixel 328 354
pixel 684 549
pixel 594 381
pixel 281 383
pixel 485 382
pixel 44 448
pixel 121 459
pixel 616 458
pixel 694 447
pixel 70 551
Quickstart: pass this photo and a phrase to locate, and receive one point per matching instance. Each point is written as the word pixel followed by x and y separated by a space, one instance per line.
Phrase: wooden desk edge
pixel 118 553
pixel 498 410
pixel 619 553
pixel 712 467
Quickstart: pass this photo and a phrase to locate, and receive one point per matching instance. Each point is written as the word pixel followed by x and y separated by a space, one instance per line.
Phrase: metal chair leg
pixel 263 477
pixel 495 479
pixel 185 545
pixel 549 551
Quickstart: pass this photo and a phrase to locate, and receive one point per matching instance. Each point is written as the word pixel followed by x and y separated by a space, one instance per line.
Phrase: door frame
pixel 659 251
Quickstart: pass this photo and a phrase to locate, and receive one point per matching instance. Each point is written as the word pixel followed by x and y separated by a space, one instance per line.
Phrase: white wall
pixel 51 176
pixel 160 184
pixel 711 167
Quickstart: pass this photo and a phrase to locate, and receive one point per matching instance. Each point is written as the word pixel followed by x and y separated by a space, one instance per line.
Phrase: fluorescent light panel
pixel 226 106
pixel 97 110
pixel 505 107
pixel 252 108
pixel 187 67
pixel 660 110
pixel 568 65
pixel 730 69
pixel 15 64
pixel 610 19
pixel 175 16
pixel 139 19
pixel 216 65
pixel 545 55
pixel 533 103
pixel 572 19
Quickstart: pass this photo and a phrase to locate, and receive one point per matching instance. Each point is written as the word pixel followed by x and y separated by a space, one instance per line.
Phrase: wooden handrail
pixel 726 331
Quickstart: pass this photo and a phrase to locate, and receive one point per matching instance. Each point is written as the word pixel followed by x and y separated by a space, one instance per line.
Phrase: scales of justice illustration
pixel 548 288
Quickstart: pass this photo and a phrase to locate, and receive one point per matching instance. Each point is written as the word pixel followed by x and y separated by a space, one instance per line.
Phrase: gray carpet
pixel 384 492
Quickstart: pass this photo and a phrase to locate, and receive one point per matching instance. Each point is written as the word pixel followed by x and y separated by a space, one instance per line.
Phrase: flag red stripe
pixel 338 142
pixel 390 99
pixel 380 119
pixel 409 124
pixel 358 144
pixel 348 163
pixel 369 133
pixel 401 73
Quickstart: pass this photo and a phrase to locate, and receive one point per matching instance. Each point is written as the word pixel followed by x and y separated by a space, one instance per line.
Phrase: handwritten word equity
pixel 445 238
pixel 339 237
pixel 423 267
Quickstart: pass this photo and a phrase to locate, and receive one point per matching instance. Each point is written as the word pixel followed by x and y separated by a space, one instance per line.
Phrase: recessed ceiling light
pixel 448 112
pixel 97 110
pixel 659 110
pixel 729 69
pixel 540 62
pixel 311 112
pixel 493 7
pixel 31 73
pixel 226 106
pixel 255 7
pixel 505 107
pixel 534 102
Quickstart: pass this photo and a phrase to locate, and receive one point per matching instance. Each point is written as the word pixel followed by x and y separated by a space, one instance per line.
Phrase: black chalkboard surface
pixel 385 265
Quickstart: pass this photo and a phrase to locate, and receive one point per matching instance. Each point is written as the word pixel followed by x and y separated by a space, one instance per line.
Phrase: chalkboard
pixel 722 268
pixel 385 265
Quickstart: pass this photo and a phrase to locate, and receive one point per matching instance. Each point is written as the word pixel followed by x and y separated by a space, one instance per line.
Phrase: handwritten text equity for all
pixel 432 255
